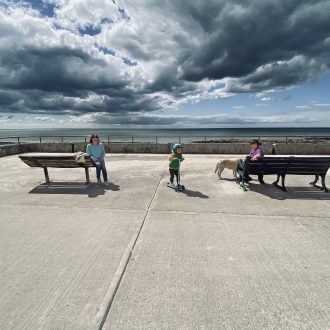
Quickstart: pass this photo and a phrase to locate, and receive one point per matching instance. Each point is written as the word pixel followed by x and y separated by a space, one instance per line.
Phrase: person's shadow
pixel 192 193
pixel 112 186
pixel 228 179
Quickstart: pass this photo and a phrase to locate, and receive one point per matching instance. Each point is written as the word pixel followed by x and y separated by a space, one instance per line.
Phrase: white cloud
pixel 82 13
pixel 41 118
pixel 140 118
pixel 91 117
pixel 3 120
pixel 302 107
pixel 322 104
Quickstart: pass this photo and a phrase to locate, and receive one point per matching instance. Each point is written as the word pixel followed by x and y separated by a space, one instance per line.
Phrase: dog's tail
pixel 217 167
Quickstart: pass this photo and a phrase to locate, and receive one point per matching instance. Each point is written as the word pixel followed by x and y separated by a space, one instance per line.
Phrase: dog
pixel 227 163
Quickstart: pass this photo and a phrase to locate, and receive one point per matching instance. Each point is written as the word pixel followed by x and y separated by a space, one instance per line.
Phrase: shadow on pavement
pixel 74 188
pixel 192 193
pixel 227 179
pixel 112 186
pixel 294 192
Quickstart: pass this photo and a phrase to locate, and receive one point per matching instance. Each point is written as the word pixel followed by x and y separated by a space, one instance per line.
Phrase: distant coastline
pixel 168 135
pixel 217 133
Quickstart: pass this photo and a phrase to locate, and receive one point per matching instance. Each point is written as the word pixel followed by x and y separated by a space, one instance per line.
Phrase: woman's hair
pixel 256 141
pixel 94 135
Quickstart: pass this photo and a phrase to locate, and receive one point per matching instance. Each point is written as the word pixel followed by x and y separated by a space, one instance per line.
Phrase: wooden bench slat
pixel 56 160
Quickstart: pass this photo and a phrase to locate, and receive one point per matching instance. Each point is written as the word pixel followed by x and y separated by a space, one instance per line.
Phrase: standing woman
pixel 96 150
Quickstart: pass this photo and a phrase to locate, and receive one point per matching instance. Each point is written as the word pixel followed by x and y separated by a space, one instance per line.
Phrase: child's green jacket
pixel 174 159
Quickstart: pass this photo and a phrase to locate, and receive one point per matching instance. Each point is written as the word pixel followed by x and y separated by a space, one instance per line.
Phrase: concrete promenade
pixel 138 255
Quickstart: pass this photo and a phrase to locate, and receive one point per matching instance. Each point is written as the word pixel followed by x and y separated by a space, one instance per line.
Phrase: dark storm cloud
pixel 222 39
pixel 63 79
pixel 35 101
pixel 55 70
pixel 246 35
pixel 238 37
pixel 161 51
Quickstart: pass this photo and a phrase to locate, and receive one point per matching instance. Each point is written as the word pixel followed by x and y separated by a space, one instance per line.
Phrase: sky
pixel 156 63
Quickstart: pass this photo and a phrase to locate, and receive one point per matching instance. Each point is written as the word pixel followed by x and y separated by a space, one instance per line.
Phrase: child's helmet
pixel 176 146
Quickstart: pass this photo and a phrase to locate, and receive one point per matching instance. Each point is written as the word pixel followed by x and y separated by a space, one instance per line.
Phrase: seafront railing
pixel 161 139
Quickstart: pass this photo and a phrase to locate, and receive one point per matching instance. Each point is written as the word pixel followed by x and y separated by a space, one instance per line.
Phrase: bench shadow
pixel 193 193
pixel 294 192
pixel 74 188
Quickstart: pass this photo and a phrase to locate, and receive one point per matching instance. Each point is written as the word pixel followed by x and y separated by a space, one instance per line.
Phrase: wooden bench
pixel 57 160
pixel 283 165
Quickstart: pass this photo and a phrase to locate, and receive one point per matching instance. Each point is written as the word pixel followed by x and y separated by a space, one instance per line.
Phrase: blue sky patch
pixel 45 9
pixel 129 62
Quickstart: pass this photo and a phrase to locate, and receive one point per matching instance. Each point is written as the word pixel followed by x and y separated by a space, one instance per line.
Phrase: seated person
pixel 255 153
pixel 96 150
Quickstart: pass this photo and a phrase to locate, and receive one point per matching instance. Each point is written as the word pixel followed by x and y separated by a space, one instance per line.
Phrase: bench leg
pixel 283 184
pixel 87 174
pixel 324 187
pixel 313 183
pixel 275 183
pixel 46 174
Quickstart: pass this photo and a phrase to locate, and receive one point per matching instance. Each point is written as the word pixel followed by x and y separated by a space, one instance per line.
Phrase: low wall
pixel 12 149
pixel 193 148
pixel 243 148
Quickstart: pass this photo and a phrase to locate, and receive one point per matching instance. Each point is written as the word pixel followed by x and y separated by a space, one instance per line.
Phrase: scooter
pixel 179 186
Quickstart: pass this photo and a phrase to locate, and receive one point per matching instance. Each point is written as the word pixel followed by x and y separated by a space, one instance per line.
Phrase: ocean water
pixel 160 135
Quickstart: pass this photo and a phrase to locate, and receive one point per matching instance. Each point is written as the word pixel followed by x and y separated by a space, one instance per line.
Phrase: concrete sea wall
pixel 193 148
pixel 11 149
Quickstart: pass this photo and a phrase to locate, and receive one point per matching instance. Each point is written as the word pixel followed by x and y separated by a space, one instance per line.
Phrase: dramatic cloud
pixel 129 58
pixel 303 116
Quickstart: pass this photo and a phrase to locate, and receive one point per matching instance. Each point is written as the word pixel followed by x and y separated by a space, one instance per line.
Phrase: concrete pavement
pixel 138 255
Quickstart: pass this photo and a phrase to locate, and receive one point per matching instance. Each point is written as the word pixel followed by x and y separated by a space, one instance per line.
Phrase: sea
pixel 160 135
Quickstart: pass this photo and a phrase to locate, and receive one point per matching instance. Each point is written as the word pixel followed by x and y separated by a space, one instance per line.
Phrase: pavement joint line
pixel 164 210
pixel 120 272
pixel 241 214
pixel 71 207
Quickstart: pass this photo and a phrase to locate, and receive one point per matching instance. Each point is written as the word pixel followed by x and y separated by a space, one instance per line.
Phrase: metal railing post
pixel 156 140
pixel 18 140
pixel 132 139
pixel 40 139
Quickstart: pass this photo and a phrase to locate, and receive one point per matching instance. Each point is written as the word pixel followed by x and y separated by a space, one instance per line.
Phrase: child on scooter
pixel 175 158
